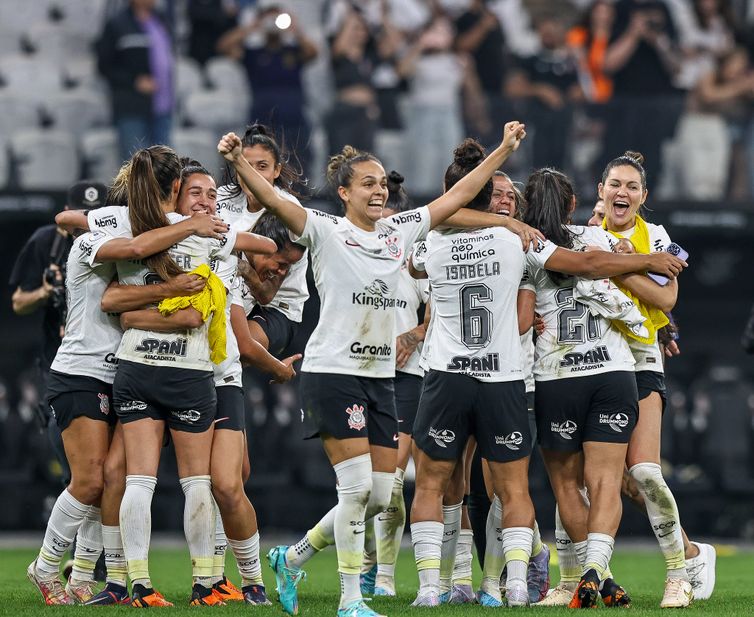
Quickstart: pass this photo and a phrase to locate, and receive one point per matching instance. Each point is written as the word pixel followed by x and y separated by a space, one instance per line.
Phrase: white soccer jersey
pixel 189 349
pixel 410 295
pixel 475 276
pixel 229 372
pixel 293 292
pixel 574 342
pixel 647 357
pixel 356 273
pixel 91 336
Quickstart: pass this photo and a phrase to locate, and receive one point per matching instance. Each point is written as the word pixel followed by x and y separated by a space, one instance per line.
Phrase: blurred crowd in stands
pixel 83 82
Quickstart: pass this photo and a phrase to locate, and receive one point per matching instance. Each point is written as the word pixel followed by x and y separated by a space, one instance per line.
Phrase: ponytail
pixel 150 179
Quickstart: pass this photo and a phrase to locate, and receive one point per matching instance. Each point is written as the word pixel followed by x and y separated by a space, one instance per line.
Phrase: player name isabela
pixel 460 272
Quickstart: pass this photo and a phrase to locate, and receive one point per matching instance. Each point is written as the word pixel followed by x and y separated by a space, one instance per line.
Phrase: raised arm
pixel 604 264
pixel 122 298
pixel 467 218
pixel 469 186
pixel 292 215
pixel 254 243
pixel 160 239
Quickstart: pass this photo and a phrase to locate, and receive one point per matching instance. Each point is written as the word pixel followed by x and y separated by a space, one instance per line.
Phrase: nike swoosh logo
pixel 357 532
pixel 395 438
pixel 662 535
pixel 350 243
pixel 221 419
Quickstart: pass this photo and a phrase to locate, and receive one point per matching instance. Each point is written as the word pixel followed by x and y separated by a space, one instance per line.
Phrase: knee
pixel 87 488
pixel 228 493
pixel 115 474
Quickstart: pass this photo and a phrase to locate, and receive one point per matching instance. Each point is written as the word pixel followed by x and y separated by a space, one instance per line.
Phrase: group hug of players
pixel 177 287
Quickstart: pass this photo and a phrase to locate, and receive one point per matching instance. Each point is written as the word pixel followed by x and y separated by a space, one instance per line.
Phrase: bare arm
pixel 152 319
pixel 26 302
pixel 467 218
pixel 254 243
pixel 662 297
pixel 525 303
pixel 254 354
pixel 263 291
pixel 619 53
pixel 72 220
pixel 469 186
pixel 292 215
pixel 604 264
pixel 122 298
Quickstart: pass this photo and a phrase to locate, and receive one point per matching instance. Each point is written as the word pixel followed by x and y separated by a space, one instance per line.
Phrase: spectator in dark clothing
pixel 210 20
pixel 479 34
pixel 545 87
pixel 135 55
pixel 643 59
pixel 274 58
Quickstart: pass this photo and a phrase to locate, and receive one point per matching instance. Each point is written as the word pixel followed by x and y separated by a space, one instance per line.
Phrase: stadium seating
pixel 199 144
pixel 45 159
pixel 99 152
pixel 17 111
pixel 77 110
pixel 216 110
pixel 4 164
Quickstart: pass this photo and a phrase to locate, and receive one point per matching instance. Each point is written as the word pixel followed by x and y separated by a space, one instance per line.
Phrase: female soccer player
pixel 473 357
pixel 80 391
pixel 624 191
pixel 585 393
pixel 167 378
pixel 346 384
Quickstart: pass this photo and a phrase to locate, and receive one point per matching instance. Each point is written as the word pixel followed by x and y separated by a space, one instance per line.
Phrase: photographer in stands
pixel 38 280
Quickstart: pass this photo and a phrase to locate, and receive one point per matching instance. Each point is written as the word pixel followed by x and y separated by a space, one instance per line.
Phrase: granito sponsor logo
pixel 111 359
pixel 594 358
pixel 442 436
pixel 375 295
pixel 564 429
pixel 107 221
pixel 616 421
pixel 512 441
pixel 190 416
pixel 370 350
pixel 475 364
pixel 132 406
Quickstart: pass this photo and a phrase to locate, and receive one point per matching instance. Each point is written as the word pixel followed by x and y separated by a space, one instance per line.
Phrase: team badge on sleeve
pixel 356 418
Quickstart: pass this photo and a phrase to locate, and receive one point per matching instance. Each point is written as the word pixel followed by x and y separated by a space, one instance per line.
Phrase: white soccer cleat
pixel 51 588
pixel 81 591
pixel 557 596
pixel 428 599
pixel 701 571
pixel 384 586
pixel 678 593
pixel 517 594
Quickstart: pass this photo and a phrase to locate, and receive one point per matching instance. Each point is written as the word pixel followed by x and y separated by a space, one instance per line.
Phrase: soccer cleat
pixel 678 593
pixel 701 571
pixel 357 608
pixel 80 591
pixel 516 594
pixel 428 599
pixel 613 595
pixel 51 589
pixel 487 599
pixel 227 591
pixel 462 594
pixel 444 597
pixel 538 575
pixel 203 596
pixel 286 579
pixel 143 597
pixel 367 580
pixel 112 594
pixel 558 596
pixel 255 595
pixel 384 586
pixel 586 593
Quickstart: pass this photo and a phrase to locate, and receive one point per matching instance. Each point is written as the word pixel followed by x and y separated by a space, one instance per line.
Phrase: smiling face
pixel 277 265
pixel 198 194
pixel 623 195
pixel 366 195
pixel 503 196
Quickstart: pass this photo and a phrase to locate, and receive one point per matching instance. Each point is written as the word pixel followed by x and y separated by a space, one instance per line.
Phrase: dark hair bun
pixel 636 156
pixel 259 129
pixel 394 178
pixel 469 154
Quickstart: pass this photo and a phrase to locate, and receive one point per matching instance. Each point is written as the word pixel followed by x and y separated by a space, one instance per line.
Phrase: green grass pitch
pixel 640 572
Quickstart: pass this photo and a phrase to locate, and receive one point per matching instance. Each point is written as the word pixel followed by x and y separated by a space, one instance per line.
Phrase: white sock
pixel 536 543
pixel 199 527
pixel 663 516
pixel 316 539
pixel 462 565
pixel 494 555
pixel 517 543
pixel 388 527
pixel 570 569
pixel 221 545
pixel 379 499
pixel 354 488
pixel 451 519
pixel 136 526
pixel 427 540
pixel 580 548
pixel 115 558
pixel 88 546
pixel 599 550
pixel 66 517
pixel 246 553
